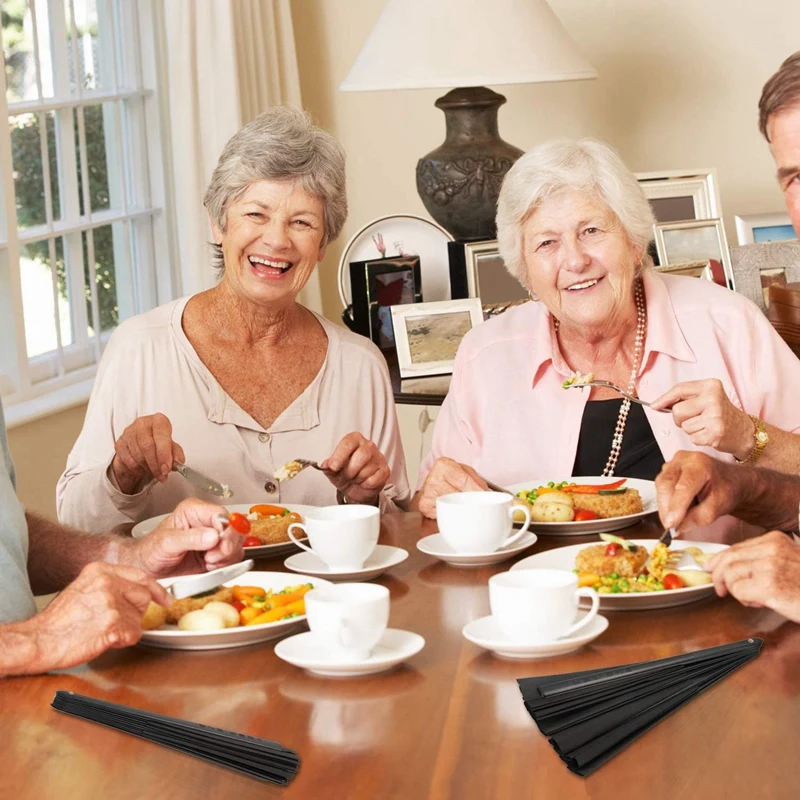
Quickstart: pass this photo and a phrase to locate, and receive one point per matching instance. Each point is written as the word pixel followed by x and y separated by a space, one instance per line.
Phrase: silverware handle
pixel 497 488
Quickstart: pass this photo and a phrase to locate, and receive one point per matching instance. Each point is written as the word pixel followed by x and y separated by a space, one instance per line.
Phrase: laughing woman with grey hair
pixel 573 227
pixel 241 379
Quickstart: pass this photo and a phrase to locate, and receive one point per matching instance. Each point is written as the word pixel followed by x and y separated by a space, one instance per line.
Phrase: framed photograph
pixel 677 195
pixel 377 285
pixel 477 270
pixel 761 228
pixel 693 240
pixel 427 335
pixel 756 267
pixel 692 269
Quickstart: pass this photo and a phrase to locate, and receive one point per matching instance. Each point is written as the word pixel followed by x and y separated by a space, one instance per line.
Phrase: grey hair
pixel 281 144
pixel 585 164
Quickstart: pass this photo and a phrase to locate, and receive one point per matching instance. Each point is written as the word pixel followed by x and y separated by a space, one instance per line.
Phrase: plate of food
pixel 255 607
pixel 269 524
pixel 635 574
pixel 578 506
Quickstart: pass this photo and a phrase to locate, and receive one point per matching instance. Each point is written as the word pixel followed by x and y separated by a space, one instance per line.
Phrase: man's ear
pixel 215 231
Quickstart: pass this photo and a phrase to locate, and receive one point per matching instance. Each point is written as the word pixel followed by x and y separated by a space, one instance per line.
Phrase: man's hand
pixel 144 452
pixel 191 539
pixel 102 608
pixel 357 469
pixel 446 477
pixel 693 490
pixel 761 572
pixel 703 410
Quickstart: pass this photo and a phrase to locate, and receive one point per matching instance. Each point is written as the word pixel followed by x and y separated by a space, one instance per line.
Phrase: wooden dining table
pixel 450 723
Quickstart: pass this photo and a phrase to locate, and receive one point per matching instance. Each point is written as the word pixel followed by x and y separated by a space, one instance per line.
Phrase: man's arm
pixel 694 490
pixel 57 554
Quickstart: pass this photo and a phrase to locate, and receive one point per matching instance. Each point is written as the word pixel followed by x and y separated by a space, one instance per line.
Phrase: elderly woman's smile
pixel 579 261
pixel 272 240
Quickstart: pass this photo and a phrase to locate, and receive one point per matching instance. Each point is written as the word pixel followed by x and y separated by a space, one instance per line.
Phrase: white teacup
pixel 539 605
pixel 349 618
pixel 344 537
pixel 478 522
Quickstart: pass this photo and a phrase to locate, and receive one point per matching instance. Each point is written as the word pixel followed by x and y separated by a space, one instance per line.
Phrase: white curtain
pixel 227 60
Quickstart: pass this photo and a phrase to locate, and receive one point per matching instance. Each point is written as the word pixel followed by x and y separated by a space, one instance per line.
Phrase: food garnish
pixel 576 379
pixel 288 471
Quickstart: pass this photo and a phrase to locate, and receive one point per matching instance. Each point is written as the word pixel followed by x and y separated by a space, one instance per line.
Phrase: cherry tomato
pixel 239 523
pixel 252 541
pixel 238 605
pixel 612 549
pixel 585 514
pixel 265 510
pixel 672 581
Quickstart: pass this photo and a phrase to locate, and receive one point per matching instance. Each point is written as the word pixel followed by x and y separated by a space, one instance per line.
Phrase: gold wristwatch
pixel 762 440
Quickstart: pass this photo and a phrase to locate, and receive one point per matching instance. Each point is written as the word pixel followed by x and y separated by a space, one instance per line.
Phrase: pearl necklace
pixel 638 347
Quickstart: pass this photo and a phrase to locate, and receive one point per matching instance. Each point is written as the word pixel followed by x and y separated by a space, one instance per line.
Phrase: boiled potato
pixel 519 516
pixel 154 617
pixel 201 620
pixel 691 577
pixel 230 616
pixel 553 507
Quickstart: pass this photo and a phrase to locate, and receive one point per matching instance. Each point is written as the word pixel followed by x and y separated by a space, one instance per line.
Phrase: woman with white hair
pixel 573 227
pixel 241 379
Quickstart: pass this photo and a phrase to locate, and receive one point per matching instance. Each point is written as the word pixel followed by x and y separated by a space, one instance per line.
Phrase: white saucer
pixel 486 633
pixel 303 650
pixel 384 557
pixel 435 545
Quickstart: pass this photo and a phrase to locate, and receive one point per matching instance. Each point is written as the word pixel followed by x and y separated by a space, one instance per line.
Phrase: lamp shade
pixel 420 44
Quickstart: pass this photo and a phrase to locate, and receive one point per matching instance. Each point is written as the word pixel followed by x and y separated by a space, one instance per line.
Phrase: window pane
pixel 91 66
pixel 97 164
pixel 105 278
pixel 26 157
pixel 37 298
pixel 19 52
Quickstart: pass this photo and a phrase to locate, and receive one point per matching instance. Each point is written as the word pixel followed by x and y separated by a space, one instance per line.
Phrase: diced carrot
pixel 247 614
pixel 587 489
pixel 244 593
pixel 290 597
pixel 275 614
pixel 265 510
pixel 587 579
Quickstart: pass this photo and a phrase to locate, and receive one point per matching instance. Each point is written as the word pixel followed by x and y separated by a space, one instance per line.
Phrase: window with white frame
pixel 83 233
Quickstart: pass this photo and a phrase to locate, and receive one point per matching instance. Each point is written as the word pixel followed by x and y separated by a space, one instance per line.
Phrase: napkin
pixel 258 758
pixel 591 715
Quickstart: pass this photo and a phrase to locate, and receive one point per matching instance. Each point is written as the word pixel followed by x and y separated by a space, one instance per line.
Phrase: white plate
pixel 419 236
pixel 306 652
pixel 486 633
pixel 263 551
pixel 647 490
pixel 384 557
pixel 171 638
pixel 436 546
pixel 564 558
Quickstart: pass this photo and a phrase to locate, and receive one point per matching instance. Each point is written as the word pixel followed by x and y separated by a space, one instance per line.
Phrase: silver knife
pixel 190 585
pixel 202 481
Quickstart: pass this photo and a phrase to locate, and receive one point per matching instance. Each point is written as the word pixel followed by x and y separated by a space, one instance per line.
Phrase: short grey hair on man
pixel 281 144
pixel 586 165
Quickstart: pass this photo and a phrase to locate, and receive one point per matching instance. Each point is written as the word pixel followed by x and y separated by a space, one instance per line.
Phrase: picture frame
pixel 758 266
pixel 427 335
pixel 691 269
pixel 762 228
pixel 376 285
pixel 693 240
pixel 477 270
pixel 677 195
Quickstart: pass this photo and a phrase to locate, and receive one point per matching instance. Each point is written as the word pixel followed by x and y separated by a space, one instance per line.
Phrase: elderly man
pixel 694 489
pixel 106 582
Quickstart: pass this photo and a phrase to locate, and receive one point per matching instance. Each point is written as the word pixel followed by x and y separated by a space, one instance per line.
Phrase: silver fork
pixel 616 388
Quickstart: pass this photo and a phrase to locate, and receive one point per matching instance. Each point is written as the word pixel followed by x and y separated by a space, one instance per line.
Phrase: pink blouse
pixel 507 416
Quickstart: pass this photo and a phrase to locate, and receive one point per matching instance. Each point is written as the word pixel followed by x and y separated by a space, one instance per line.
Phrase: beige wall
pixel 40 450
pixel 678 88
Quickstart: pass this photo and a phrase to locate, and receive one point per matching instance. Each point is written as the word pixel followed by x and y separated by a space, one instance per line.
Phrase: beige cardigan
pixel 150 366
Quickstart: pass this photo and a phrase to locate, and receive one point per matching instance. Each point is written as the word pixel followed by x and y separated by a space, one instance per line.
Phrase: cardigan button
pixel 270 487
pixel 263 437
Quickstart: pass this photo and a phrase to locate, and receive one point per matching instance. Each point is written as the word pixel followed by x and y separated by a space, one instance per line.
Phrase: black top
pixel 640 456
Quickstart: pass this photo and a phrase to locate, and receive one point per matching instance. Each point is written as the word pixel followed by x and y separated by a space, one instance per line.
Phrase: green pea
pixel 614 576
